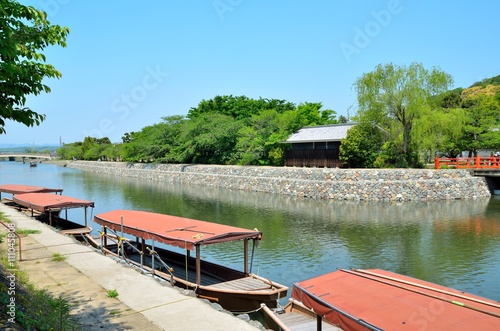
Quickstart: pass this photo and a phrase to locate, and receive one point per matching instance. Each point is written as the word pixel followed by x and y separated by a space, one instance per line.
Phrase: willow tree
pixel 396 97
pixel 24 33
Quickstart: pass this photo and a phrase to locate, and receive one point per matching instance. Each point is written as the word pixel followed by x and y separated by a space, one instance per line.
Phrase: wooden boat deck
pixel 77 231
pixel 244 284
pixel 296 321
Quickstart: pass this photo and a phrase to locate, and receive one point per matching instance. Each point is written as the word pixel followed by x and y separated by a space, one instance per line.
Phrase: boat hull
pixel 233 290
pixel 244 294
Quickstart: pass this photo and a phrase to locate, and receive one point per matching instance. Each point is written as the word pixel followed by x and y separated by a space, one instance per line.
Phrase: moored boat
pixel 47 208
pixel 360 300
pixel 21 188
pixel 14 189
pixel 234 290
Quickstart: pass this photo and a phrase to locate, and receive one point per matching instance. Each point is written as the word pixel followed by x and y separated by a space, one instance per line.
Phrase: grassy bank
pixel 22 302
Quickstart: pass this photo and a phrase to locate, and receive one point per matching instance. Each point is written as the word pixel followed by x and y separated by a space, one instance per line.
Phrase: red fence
pixel 477 162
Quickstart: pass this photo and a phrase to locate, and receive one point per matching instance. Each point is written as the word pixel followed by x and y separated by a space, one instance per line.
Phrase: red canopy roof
pixel 172 230
pixel 18 189
pixel 382 300
pixel 43 202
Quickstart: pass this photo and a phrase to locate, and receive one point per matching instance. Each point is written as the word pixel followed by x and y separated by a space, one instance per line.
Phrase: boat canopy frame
pixel 181 232
pixel 50 203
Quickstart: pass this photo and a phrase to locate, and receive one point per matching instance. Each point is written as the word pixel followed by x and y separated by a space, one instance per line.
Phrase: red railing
pixel 477 162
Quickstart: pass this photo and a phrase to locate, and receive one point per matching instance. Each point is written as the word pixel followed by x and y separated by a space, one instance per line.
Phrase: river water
pixel 456 243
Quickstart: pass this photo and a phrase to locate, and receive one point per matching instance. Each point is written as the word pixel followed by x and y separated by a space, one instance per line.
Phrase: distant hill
pixel 488 81
pixel 23 148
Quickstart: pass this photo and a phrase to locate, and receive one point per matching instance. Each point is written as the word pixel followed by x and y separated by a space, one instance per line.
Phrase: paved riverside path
pixel 85 276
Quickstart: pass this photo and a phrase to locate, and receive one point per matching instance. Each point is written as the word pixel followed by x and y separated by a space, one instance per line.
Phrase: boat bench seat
pixel 246 284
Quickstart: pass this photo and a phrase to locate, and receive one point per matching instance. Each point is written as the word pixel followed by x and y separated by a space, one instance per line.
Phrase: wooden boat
pixel 47 208
pixel 236 291
pixel 20 188
pixel 33 164
pixel 14 189
pixel 378 300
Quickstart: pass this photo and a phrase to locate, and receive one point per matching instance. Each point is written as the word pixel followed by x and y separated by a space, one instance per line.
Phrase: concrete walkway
pixel 85 276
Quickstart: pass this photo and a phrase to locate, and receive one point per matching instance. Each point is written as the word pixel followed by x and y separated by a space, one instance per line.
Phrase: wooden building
pixel 316 146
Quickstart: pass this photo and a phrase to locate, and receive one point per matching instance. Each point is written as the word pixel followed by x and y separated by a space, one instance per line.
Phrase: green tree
pixel 93 152
pixel 24 33
pixel 93 148
pixel 395 97
pixel 450 99
pixel 329 116
pixel 208 139
pixel 238 107
pixel 488 81
pixel 253 143
pixel 361 145
pixel 483 119
pixel 441 132
pixel 154 142
pixel 71 151
pixel 112 152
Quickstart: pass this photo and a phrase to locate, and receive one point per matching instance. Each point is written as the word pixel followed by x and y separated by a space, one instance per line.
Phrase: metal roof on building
pixel 335 132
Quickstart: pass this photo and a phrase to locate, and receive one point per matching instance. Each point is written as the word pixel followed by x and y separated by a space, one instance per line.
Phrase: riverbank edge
pixel 361 185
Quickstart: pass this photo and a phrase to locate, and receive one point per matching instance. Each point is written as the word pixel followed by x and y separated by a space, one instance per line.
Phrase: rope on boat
pixel 278 306
pixel 250 311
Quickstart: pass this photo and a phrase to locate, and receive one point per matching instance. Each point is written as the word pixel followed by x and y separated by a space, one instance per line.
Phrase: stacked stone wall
pixel 320 183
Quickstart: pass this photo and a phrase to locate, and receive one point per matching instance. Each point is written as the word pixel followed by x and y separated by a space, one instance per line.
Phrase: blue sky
pixel 130 63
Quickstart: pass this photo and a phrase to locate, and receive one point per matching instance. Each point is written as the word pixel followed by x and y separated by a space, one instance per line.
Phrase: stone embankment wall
pixel 382 185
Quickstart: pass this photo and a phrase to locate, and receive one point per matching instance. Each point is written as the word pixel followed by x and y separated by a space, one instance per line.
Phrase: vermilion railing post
pixel 478 161
pixel 436 163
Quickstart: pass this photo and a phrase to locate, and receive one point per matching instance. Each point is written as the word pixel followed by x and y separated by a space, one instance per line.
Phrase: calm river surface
pixel 455 244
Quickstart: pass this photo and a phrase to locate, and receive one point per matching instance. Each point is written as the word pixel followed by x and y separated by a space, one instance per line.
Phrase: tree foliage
pixel 488 81
pixel 482 110
pixel 416 118
pixel 209 138
pixel 396 97
pixel 24 33
pixel 361 146
pixel 238 107
pixel 223 130
pixel 153 142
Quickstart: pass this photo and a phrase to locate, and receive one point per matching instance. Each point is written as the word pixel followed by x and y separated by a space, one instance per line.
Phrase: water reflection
pixel 452 243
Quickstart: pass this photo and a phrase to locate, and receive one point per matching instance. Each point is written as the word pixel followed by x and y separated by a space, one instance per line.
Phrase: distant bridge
pixel 26 156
